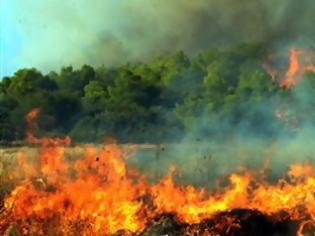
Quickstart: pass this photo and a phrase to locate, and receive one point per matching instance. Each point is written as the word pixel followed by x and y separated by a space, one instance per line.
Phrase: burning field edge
pixel 48 192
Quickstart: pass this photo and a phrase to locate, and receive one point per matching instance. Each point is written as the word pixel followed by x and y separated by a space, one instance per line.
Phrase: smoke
pixel 202 160
pixel 56 33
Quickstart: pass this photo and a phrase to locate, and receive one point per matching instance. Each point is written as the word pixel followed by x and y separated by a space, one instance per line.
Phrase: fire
pixel 101 197
pixel 300 63
pixel 30 118
pixel 99 194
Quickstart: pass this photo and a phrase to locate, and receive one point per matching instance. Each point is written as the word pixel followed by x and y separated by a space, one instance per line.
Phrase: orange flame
pixel 104 198
pixel 300 63
pixel 30 118
pixel 100 195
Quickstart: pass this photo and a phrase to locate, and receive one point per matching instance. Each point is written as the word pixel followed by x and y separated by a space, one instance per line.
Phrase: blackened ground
pixel 238 222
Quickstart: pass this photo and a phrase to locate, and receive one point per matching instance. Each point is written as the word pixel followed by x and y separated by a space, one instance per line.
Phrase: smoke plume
pixel 56 33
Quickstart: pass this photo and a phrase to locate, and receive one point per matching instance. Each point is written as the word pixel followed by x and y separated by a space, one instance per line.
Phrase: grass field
pixel 196 164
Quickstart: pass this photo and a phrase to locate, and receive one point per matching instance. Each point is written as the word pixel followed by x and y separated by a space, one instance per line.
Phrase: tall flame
pixel 100 195
pixel 300 63
pixel 30 118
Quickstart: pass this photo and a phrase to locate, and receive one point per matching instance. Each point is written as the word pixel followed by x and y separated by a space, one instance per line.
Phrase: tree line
pixel 213 93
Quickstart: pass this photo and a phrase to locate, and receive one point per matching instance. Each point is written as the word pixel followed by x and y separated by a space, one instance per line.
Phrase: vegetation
pixel 212 93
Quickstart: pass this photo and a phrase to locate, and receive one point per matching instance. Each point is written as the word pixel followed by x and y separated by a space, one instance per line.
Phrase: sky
pixel 52 33
pixel 49 34
pixel 30 28
pixel 10 39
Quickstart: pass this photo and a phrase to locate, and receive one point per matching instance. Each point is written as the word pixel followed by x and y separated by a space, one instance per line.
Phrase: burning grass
pixel 49 192
pixel 51 189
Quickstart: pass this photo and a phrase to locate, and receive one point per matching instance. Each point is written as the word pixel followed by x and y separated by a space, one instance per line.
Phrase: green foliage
pixel 146 102
pixel 95 97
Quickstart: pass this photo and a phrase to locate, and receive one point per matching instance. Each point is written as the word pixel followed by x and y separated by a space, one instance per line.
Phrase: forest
pixel 213 93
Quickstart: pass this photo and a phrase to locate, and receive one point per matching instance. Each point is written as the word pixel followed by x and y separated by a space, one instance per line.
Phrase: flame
pixel 99 194
pixel 300 63
pixel 30 118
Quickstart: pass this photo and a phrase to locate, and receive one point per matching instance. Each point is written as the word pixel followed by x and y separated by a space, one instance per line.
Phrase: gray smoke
pixel 57 32
pixel 202 161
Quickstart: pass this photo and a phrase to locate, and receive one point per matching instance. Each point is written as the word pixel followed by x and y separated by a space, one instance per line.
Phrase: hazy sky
pixel 37 33
pixel 48 34
pixel 10 39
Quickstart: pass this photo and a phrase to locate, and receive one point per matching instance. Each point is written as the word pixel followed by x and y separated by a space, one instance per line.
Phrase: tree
pixel 94 99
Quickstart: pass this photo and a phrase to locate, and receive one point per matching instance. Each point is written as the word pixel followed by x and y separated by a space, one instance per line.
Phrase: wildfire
pixel 300 63
pixel 30 118
pixel 100 195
